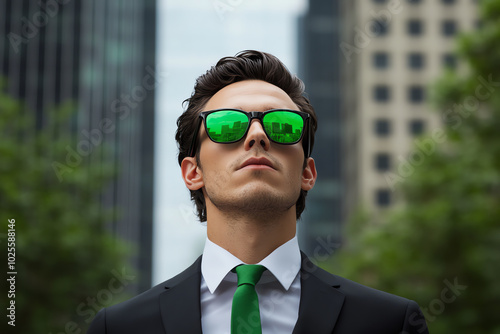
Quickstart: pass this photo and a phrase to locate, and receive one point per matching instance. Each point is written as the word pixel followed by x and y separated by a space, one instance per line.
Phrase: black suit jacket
pixel 328 304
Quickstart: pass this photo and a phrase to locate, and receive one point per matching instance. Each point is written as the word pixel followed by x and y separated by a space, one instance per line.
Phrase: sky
pixel 192 35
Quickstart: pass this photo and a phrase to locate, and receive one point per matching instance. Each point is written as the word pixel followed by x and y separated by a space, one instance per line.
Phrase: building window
pixel 380 60
pixel 382 127
pixel 448 28
pixel 383 197
pixel 382 162
pixel 415 27
pixel 416 127
pixel 381 93
pixel 416 94
pixel 379 27
pixel 415 61
pixel 449 60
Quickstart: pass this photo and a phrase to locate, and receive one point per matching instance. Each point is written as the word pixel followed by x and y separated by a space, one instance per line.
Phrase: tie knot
pixel 249 273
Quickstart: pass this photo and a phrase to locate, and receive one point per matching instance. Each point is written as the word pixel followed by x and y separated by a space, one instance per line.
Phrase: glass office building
pixel 101 56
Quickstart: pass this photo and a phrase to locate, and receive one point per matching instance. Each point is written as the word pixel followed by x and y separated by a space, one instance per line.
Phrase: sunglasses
pixel 226 126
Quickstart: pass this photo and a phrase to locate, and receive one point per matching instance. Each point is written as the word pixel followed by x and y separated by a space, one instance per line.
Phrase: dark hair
pixel 246 65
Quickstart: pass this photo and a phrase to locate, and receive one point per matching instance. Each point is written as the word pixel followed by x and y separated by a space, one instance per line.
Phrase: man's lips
pixel 257 163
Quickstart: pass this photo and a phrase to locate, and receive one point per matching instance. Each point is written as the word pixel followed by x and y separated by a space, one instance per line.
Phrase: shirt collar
pixel 283 263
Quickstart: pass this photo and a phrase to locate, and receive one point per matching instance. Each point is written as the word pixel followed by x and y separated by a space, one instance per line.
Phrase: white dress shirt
pixel 278 289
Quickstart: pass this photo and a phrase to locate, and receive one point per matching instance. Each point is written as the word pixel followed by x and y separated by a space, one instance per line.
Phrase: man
pixel 244 149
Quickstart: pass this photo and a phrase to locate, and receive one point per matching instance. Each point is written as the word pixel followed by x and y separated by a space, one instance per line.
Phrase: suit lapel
pixel 320 300
pixel 180 303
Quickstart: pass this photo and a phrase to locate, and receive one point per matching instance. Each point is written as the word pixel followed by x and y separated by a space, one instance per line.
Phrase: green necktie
pixel 245 314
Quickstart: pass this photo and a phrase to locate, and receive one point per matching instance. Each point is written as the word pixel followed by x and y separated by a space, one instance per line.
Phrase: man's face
pixel 254 173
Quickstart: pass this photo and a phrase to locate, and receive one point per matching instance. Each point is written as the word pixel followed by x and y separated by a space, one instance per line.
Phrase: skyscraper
pixel 393 51
pixel 101 56
pixel 319 68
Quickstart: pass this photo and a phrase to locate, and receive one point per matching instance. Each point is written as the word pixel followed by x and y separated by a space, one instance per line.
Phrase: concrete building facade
pixel 393 50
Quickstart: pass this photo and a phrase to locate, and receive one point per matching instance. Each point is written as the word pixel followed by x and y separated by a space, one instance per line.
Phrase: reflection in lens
pixel 283 126
pixel 226 125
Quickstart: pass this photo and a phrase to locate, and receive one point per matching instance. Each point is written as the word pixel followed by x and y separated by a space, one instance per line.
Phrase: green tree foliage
pixel 442 247
pixel 65 257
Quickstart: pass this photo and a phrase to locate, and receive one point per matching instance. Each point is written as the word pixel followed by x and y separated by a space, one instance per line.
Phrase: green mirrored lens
pixel 284 126
pixel 226 126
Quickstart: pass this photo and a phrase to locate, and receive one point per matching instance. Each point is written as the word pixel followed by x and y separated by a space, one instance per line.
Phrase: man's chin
pixel 263 199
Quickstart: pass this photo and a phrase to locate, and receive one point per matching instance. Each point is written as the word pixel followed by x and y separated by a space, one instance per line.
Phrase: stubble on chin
pixel 257 202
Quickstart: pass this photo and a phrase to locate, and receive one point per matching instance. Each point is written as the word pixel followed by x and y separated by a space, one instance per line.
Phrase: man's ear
pixel 309 175
pixel 192 174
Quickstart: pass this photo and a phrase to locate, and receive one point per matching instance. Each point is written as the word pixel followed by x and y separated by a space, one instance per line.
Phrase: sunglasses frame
pixel 251 116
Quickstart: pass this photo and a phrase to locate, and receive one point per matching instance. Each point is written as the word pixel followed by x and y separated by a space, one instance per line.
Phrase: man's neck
pixel 250 239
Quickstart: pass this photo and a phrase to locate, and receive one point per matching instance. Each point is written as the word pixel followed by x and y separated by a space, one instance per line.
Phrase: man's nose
pixel 256 135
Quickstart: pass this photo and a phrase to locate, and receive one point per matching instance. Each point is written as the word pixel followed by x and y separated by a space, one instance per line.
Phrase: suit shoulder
pixel 151 295
pixel 143 308
pixel 356 292
pixel 381 312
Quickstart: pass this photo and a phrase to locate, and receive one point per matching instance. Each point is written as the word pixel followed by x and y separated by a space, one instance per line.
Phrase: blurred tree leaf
pixel 68 265
pixel 442 247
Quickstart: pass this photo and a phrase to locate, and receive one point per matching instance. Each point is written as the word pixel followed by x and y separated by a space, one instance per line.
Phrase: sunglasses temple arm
pixel 308 152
